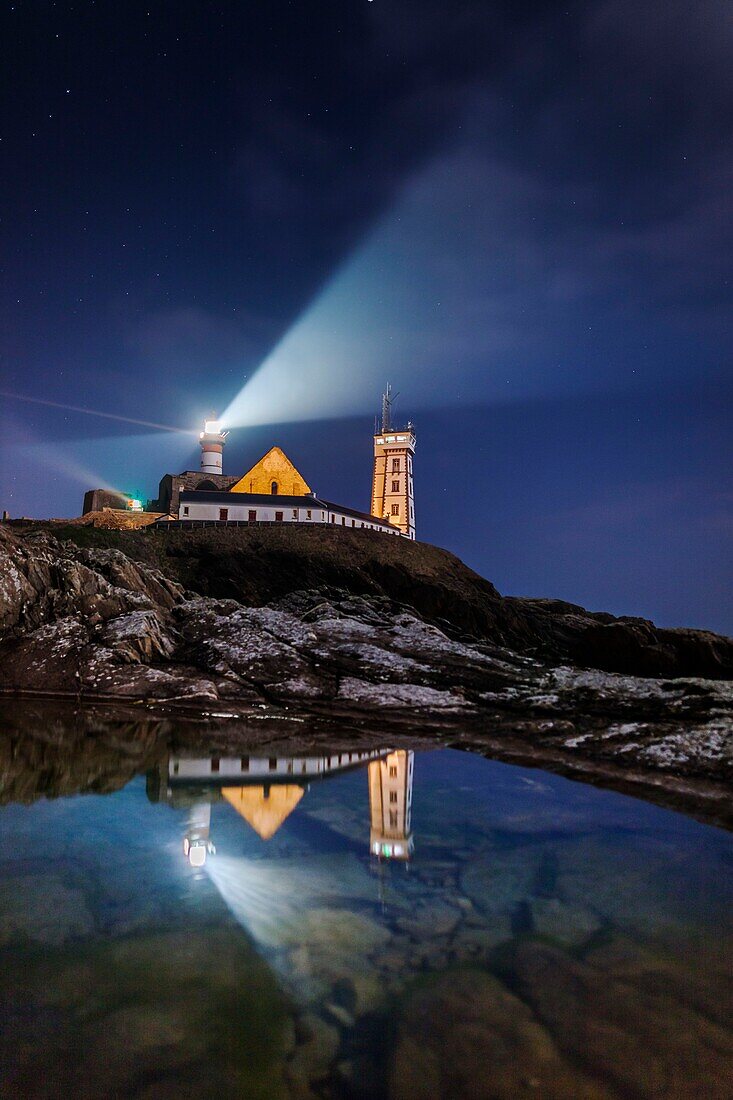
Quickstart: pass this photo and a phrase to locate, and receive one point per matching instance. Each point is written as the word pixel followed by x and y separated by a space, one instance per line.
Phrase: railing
pixel 186 524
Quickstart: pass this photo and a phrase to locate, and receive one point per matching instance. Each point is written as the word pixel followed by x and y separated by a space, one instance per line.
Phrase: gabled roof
pixel 273 466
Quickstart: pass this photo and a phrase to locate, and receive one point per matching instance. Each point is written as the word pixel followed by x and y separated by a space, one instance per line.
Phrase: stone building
pixel 96 500
pixel 274 491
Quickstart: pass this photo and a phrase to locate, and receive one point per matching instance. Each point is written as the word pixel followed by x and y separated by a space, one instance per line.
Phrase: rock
pixel 93 622
pixel 435 918
pixel 644 1043
pixel 317 1043
pixel 463 1034
pixel 138 637
pixel 568 924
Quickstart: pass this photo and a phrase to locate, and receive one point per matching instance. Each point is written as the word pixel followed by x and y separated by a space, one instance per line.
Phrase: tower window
pixel 393 771
pixel 395 509
pixel 395 465
pixel 393 796
pixel 393 818
pixel 273 489
pixel 395 486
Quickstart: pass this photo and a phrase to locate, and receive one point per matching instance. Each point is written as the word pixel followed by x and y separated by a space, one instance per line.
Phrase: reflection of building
pixel 390 805
pixel 263 790
pixel 196 842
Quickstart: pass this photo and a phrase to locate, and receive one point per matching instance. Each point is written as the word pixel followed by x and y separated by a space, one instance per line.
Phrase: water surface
pixel 386 923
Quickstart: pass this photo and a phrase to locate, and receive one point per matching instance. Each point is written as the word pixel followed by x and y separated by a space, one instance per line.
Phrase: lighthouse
pixel 211 441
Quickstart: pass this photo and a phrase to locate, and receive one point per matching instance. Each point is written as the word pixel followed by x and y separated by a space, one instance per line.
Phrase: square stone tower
pixel 392 486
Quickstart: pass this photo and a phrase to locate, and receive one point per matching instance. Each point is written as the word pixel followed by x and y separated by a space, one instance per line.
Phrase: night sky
pixel 516 213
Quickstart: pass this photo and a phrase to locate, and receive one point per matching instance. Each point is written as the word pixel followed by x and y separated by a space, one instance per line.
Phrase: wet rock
pixel 643 1043
pixel 316 1047
pixel 436 918
pixel 568 924
pixel 464 1034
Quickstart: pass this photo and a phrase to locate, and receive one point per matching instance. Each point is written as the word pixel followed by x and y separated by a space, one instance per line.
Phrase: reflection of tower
pixel 211 441
pixel 196 842
pixel 392 487
pixel 390 804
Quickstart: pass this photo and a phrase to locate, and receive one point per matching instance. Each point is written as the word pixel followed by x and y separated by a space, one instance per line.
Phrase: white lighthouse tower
pixel 211 441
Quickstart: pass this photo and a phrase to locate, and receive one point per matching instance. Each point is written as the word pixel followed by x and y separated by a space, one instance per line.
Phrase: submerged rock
pixel 463 1034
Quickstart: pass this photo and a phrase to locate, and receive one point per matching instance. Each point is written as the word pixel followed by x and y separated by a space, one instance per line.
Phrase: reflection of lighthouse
pixel 211 441
pixel 390 805
pixel 196 843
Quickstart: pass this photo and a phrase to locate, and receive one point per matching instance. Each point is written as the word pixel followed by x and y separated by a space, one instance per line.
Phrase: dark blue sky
pixel 518 213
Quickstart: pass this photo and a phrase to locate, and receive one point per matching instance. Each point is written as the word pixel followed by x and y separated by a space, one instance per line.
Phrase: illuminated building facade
pixel 274 491
pixel 390 805
pixel 392 481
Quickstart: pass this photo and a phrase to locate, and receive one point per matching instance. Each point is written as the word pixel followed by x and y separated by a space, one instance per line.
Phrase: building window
pixel 252 515
pixel 215 764
pixel 343 521
pixel 224 514
pixel 278 517
pixel 353 523
pixel 333 518
pixel 393 796
pixel 272 763
pixel 393 819
pixel 308 513
pixel 273 489
pixel 393 771
pixel 244 764
pixel 185 510
pixel 395 486
pixel 395 465
pixel 395 509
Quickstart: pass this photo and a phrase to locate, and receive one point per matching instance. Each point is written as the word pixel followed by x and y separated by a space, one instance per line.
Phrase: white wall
pixel 204 510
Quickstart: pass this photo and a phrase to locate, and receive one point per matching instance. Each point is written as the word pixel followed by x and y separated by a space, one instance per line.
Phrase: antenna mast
pixel 387 402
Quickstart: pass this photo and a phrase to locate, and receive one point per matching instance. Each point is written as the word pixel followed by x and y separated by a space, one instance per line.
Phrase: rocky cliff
pixel 350 634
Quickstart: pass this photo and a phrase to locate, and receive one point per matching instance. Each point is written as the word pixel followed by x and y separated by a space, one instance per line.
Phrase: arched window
pixel 273 488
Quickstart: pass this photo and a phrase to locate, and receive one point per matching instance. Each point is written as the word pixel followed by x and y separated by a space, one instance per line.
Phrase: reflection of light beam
pixel 269 898
pixel 260 899
pixel 94 412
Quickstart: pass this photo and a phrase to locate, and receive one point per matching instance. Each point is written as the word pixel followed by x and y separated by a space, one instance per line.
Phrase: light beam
pixel 94 412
